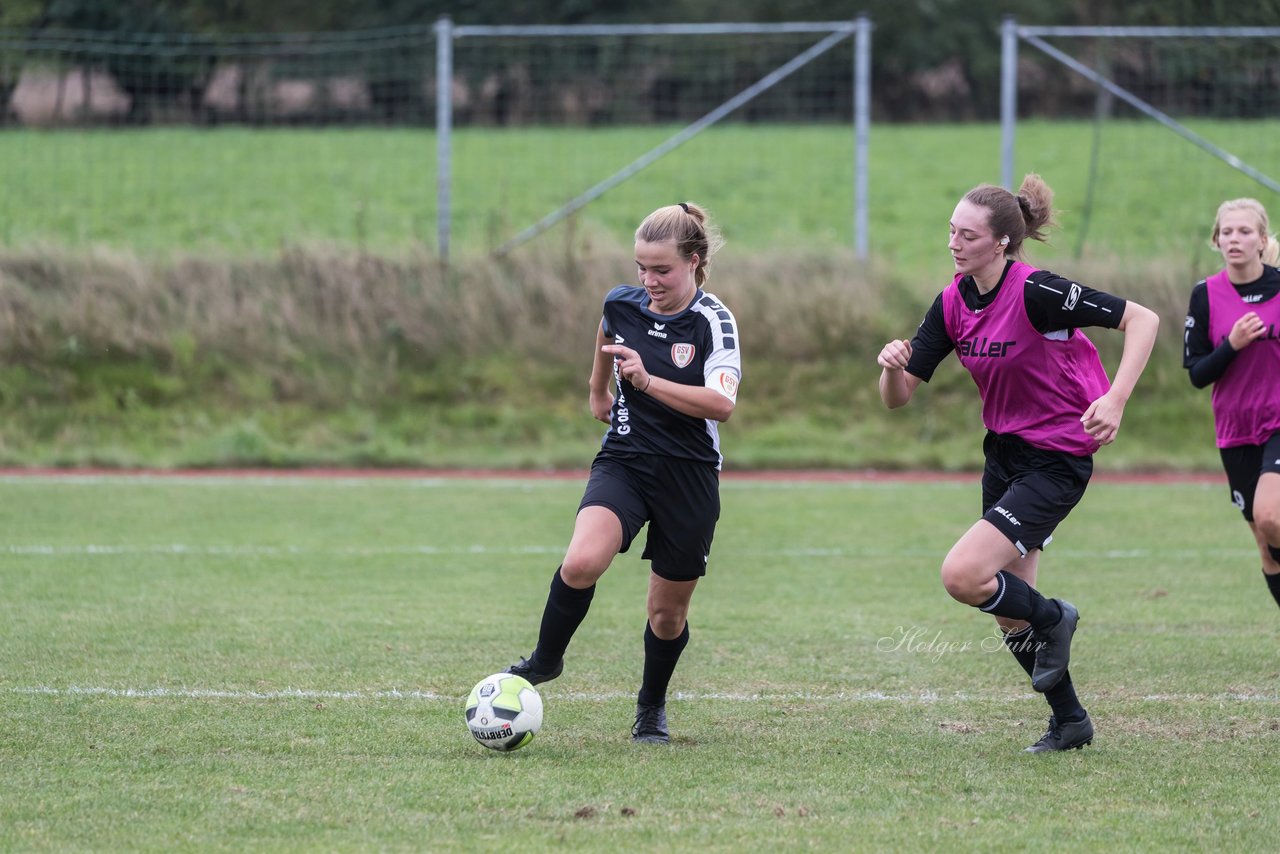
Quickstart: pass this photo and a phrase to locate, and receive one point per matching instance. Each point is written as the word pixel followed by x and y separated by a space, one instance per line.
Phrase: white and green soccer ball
pixel 504 711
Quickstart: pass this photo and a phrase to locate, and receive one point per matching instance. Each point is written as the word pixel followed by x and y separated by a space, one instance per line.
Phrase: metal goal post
pixel 1012 34
pixel 448 36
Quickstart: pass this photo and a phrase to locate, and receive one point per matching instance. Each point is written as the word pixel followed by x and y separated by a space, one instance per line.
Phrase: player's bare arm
pixel 694 401
pixel 1139 325
pixel 1246 330
pixel 896 385
pixel 600 398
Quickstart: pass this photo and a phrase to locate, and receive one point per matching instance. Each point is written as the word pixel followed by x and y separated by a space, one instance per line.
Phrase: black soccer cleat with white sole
pixel 1054 650
pixel 1064 736
pixel 536 677
pixel 651 724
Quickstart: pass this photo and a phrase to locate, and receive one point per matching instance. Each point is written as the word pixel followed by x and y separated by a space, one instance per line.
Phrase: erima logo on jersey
pixel 659 326
pixel 656 334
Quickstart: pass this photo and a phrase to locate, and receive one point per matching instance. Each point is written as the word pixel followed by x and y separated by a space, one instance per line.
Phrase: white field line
pixel 268 551
pixel 503 483
pixel 250 550
pixel 536 480
pixel 923 697
pixel 220 481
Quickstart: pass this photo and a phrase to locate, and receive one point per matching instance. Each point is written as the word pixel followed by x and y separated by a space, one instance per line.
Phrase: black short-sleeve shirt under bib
pixel 686 348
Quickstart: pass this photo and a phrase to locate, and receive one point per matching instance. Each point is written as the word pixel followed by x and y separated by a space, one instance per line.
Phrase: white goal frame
pixel 1012 34
pixel 834 33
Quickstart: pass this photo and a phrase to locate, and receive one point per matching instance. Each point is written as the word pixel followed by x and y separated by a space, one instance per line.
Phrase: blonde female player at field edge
pixel 673 354
pixel 1047 406
pixel 1232 340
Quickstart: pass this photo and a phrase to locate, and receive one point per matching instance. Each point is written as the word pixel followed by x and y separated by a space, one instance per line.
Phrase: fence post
pixel 1008 97
pixel 861 131
pixel 444 131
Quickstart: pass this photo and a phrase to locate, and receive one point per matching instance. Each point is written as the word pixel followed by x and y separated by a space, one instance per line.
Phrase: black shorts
pixel 1027 491
pixel 1244 465
pixel 680 499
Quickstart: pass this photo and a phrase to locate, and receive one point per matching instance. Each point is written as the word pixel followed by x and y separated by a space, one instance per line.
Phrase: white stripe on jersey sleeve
pixel 725 355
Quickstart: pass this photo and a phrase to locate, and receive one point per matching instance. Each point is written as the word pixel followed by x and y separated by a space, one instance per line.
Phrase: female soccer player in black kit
pixel 1047 405
pixel 1232 340
pixel 673 355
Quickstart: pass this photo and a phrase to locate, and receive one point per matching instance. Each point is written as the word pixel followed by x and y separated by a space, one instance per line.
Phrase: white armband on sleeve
pixel 725 381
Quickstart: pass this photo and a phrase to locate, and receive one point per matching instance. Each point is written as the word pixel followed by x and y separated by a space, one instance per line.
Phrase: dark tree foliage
pixel 931 58
pixel 943 26
pixel 153 80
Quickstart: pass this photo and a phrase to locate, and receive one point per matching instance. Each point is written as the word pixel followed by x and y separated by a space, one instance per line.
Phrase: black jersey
pixel 1204 362
pixel 1055 306
pixel 699 346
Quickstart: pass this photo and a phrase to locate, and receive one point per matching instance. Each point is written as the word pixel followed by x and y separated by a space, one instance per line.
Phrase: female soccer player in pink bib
pixel 1232 340
pixel 1047 406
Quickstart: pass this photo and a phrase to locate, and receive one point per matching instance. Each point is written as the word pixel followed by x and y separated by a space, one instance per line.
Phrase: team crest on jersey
pixel 682 354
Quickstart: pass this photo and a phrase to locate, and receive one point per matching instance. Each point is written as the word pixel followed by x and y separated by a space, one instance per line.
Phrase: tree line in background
pixel 929 26
pixel 951 46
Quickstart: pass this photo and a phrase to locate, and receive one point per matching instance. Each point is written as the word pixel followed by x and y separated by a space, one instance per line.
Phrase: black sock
pixel 660 657
pixel 1064 702
pixel 1273 584
pixel 1017 600
pixel 566 607
pixel 1023 647
pixel 1062 697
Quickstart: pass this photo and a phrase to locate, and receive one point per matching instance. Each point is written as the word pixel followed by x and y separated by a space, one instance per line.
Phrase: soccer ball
pixel 504 711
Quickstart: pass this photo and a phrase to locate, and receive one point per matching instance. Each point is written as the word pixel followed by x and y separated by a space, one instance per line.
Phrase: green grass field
pixel 279 663
pixel 772 187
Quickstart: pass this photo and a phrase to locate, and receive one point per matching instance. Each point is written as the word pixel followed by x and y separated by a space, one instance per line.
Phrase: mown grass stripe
pixel 922 697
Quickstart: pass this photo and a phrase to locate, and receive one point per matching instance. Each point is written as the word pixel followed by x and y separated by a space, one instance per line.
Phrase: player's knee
pixel 1267 520
pixel 582 572
pixel 961 581
pixel 667 622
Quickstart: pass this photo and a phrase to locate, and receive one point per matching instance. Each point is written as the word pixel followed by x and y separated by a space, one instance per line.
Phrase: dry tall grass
pixel 319 356
pixel 344 308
